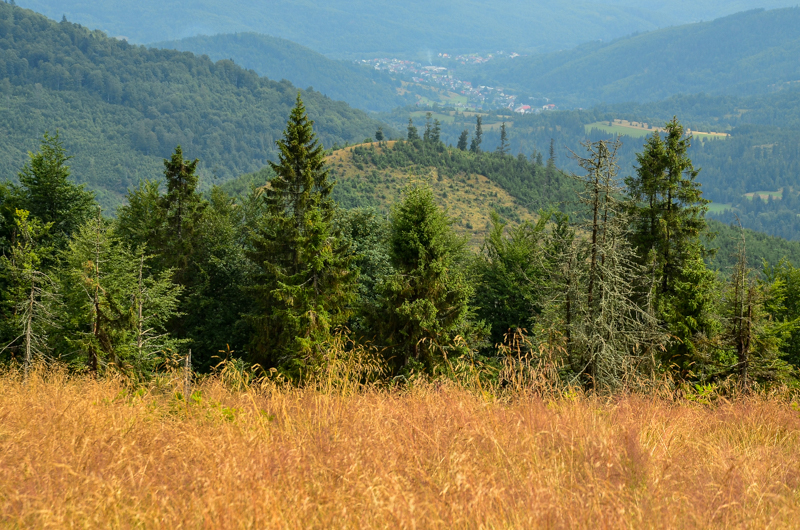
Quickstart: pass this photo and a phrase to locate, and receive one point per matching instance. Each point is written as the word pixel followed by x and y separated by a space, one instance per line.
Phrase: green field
pixel 617 129
pixel 636 132
pixel 717 207
pixel 444 118
pixel 764 195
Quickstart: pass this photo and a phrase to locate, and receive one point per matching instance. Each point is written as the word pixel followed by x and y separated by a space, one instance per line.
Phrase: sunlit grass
pixel 81 452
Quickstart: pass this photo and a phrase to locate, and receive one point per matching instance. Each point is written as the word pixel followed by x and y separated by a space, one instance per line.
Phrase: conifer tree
pixel 667 212
pixel 475 146
pixel 668 207
pixel 512 269
pixel 425 301
pixel 611 336
pixel 412 131
pixel 304 287
pixel 750 333
pixel 463 140
pixel 30 293
pixel 182 209
pixel 503 147
pixel 47 193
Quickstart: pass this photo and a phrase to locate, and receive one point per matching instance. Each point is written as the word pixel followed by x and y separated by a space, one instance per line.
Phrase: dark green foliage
pixel 475 146
pixel 365 232
pixel 303 286
pixel 361 87
pixel 201 243
pixel 412 131
pixel 182 208
pixel 122 108
pixel 424 313
pixel 784 305
pixel 667 209
pixel 512 277
pixel 47 193
pixel 463 140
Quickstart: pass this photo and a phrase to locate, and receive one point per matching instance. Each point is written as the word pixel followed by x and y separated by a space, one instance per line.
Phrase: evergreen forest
pixel 609 285
pixel 123 108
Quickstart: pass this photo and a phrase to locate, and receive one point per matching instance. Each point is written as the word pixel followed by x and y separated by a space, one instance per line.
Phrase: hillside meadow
pixel 252 453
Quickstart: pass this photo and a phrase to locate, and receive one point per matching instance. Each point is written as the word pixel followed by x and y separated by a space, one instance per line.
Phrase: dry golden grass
pixel 77 452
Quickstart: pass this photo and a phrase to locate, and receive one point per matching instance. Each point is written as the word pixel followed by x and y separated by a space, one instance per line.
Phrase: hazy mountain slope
pixel 346 27
pixel 121 108
pixel 276 58
pixel 746 53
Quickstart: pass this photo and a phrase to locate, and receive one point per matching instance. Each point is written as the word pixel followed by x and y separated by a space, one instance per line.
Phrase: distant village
pixel 478 97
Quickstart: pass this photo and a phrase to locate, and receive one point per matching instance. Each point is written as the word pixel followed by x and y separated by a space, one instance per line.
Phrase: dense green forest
pixel 360 87
pixel 121 108
pixel 753 52
pixel 347 28
pixel 617 287
pixel 762 153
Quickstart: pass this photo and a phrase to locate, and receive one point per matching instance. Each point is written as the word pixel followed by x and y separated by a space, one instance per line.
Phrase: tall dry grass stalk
pixel 251 452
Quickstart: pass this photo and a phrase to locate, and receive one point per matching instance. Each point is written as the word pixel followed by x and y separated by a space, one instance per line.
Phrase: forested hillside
pixel 760 157
pixel 358 86
pixel 752 52
pixel 347 28
pixel 120 109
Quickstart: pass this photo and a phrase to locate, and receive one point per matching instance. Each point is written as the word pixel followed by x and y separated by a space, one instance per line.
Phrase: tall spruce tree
pixel 47 193
pixel 503 147
pixel 463 140
pixel 182 209
pixel 304 287
pixel 667 212
pixel 611 336
pixel 475 146
pixel 425 302
pixel 668 208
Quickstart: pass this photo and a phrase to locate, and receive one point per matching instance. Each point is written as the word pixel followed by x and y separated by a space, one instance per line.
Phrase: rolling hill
pixel 276 58
pixel 350 28
pixel 754 52
pixel 121 109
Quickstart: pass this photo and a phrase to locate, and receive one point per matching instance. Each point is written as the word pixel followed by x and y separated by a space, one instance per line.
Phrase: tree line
pixel 610 297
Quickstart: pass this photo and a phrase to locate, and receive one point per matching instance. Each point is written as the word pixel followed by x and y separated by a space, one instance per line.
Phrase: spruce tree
pixel 668 208
pixel 503 147
pixel 463 140
pixel 47 193
pixel 412 131
pixel 425 302
pixel 667 212
pixel 26 303
pixel 303 287
pixel 611 336
pixel 475 146
pixel 181 211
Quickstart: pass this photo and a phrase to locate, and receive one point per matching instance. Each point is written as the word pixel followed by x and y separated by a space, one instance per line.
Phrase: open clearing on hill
pixel 637 129
pixel 469 199
pixel 765 195
pixel 77 452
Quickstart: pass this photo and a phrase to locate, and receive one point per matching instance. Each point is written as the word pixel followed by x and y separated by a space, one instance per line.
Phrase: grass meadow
pixel 78 452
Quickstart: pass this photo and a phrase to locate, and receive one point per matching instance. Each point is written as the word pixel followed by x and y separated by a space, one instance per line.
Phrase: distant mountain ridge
pixel 352 28
pixel 121 109
pixel 753 52
pixel 277 58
